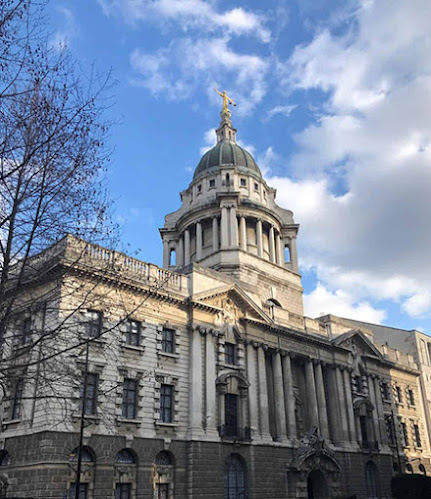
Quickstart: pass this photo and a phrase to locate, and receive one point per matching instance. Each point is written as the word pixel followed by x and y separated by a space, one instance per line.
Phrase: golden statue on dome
pixel 225 112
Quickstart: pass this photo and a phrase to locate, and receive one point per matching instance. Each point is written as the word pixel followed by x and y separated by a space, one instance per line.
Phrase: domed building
pixel 204 379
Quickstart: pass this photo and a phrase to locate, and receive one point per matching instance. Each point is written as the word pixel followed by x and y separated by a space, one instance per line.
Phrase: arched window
pixel 422 469
pixel 172 257
pixel 125 456
pixel 4 458
pixel 234 477
pixel 286 254
pixel 409 468
pixel 87 454
pixel 163 480
pixel 371 480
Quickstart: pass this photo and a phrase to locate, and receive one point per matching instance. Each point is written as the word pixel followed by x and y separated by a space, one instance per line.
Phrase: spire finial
pixel 225 112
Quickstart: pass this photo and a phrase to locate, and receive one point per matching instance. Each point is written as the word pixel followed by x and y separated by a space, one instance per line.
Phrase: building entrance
pixel 316 485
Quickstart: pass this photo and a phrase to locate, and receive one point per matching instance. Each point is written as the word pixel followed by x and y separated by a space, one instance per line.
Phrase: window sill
pixel 90 418
pixel 165 425
pixel 236 367
pixel 174 356
pixel 134 348
pixel 11 422
pixel 121 420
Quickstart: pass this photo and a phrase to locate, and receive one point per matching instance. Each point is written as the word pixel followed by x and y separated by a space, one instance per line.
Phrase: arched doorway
pixel 316 485
pixel 234 478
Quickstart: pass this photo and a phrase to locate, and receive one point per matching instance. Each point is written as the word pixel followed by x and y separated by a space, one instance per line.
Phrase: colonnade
pixel 280 421
pixel 230 231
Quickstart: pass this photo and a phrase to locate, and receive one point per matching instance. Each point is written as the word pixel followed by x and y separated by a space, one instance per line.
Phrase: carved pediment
pixel 358 343
pixel 231 304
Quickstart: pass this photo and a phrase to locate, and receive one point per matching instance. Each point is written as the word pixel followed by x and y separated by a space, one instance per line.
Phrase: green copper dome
pixel 227 153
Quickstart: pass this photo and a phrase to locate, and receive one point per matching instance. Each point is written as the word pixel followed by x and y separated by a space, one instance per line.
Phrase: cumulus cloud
pixel 63 36
pixel 362 171
pixel 190 14
pixel 186 64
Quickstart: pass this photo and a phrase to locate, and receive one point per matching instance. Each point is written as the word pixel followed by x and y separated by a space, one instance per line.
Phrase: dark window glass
pixel 199 188
pixel 364 433
pixel 243 182
pixel 385 391
pixel 411 397
pixel 86 454
pixel 129 398
pixel 371 479
pixel 26 331
pixel 125 457
pixel 230 353
pixel 390 429
pixel 123 491
pixel 4 458
pixel 231 414
pixel 417 436
pixel 422 469
pixel 405 434
pixel 133 333
pixel 90 402
pixel 399 395
pixel 93 323
pixel 256 187
pixel 83 491
pixel 163 491
pixel 17 399
pixel 359 384
pixel 212 183
pixel 409 468
pixel 234 478
pixel 168 340
pixel 163 459
pixel 166 403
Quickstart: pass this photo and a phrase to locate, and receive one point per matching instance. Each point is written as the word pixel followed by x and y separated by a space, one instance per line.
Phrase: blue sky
pixel 334 102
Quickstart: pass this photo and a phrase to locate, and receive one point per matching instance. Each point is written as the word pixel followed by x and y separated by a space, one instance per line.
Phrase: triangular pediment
pixel 357 341
pixel 232 302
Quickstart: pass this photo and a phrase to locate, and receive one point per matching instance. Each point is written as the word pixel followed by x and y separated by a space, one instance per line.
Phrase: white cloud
pixel 191 14
pixel 283 110
pixel 62 37
pixel 179 69
pixel 210 140
pixel 323 301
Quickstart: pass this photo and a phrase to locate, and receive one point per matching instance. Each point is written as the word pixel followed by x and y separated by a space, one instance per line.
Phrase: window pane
pixel 129 398
pixel 166 402
pixel 90 403
pixel 17 399
pixel 123 491
pixel 133 333
pixel 168 336
pixel 83 491
pixel 93 325
pixel 26 331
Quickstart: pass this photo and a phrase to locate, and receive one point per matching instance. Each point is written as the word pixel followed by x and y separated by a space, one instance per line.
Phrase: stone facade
pixel 204 378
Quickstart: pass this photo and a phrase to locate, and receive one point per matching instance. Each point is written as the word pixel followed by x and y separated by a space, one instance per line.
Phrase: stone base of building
pixel 40 465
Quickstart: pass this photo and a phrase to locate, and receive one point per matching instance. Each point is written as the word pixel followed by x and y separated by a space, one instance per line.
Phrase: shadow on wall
pixel 407 486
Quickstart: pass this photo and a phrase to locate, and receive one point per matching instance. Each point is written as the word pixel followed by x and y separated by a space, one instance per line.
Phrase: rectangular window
pixel 385 391
pixel 133 333
pixel 359 384
pixel 243 182
pixel 390 429
pixel 364 432
pixel 399 395
pixel 26 331
pixel 168 340
pixel 411 397
pixel 123 491
pixel 90 402
pixel 256 186
pixel 162 491
pixel 129 398
pixel 166 403
pixel 83 491
pixel 231 414
pixel 212 183
pixel 417 436
pixel 17 399
pixel 405 434
pixel 199 187
pixel 93 323
pixel 230 353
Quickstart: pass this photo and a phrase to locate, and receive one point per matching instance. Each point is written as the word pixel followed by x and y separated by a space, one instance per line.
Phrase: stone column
pixel 211 417
pixel 293 254
pixel 279 251
pixel 344 433
pixel 243 233
pixel 180 252
pixel 313 412
pixel 186 247
pixel 215 234
pixel 272 245
pixel 380 411
pixel 321 401
pixel 195 392
pixel 198 241
pixel 259 237
pixel 166 255
pixel 224 228
pixel 333 406
pixel 349 403
pixel 263 394
pixel 280 414
pixel 372 394
pixel 233 227
pixel 289 397
pixel 252 390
